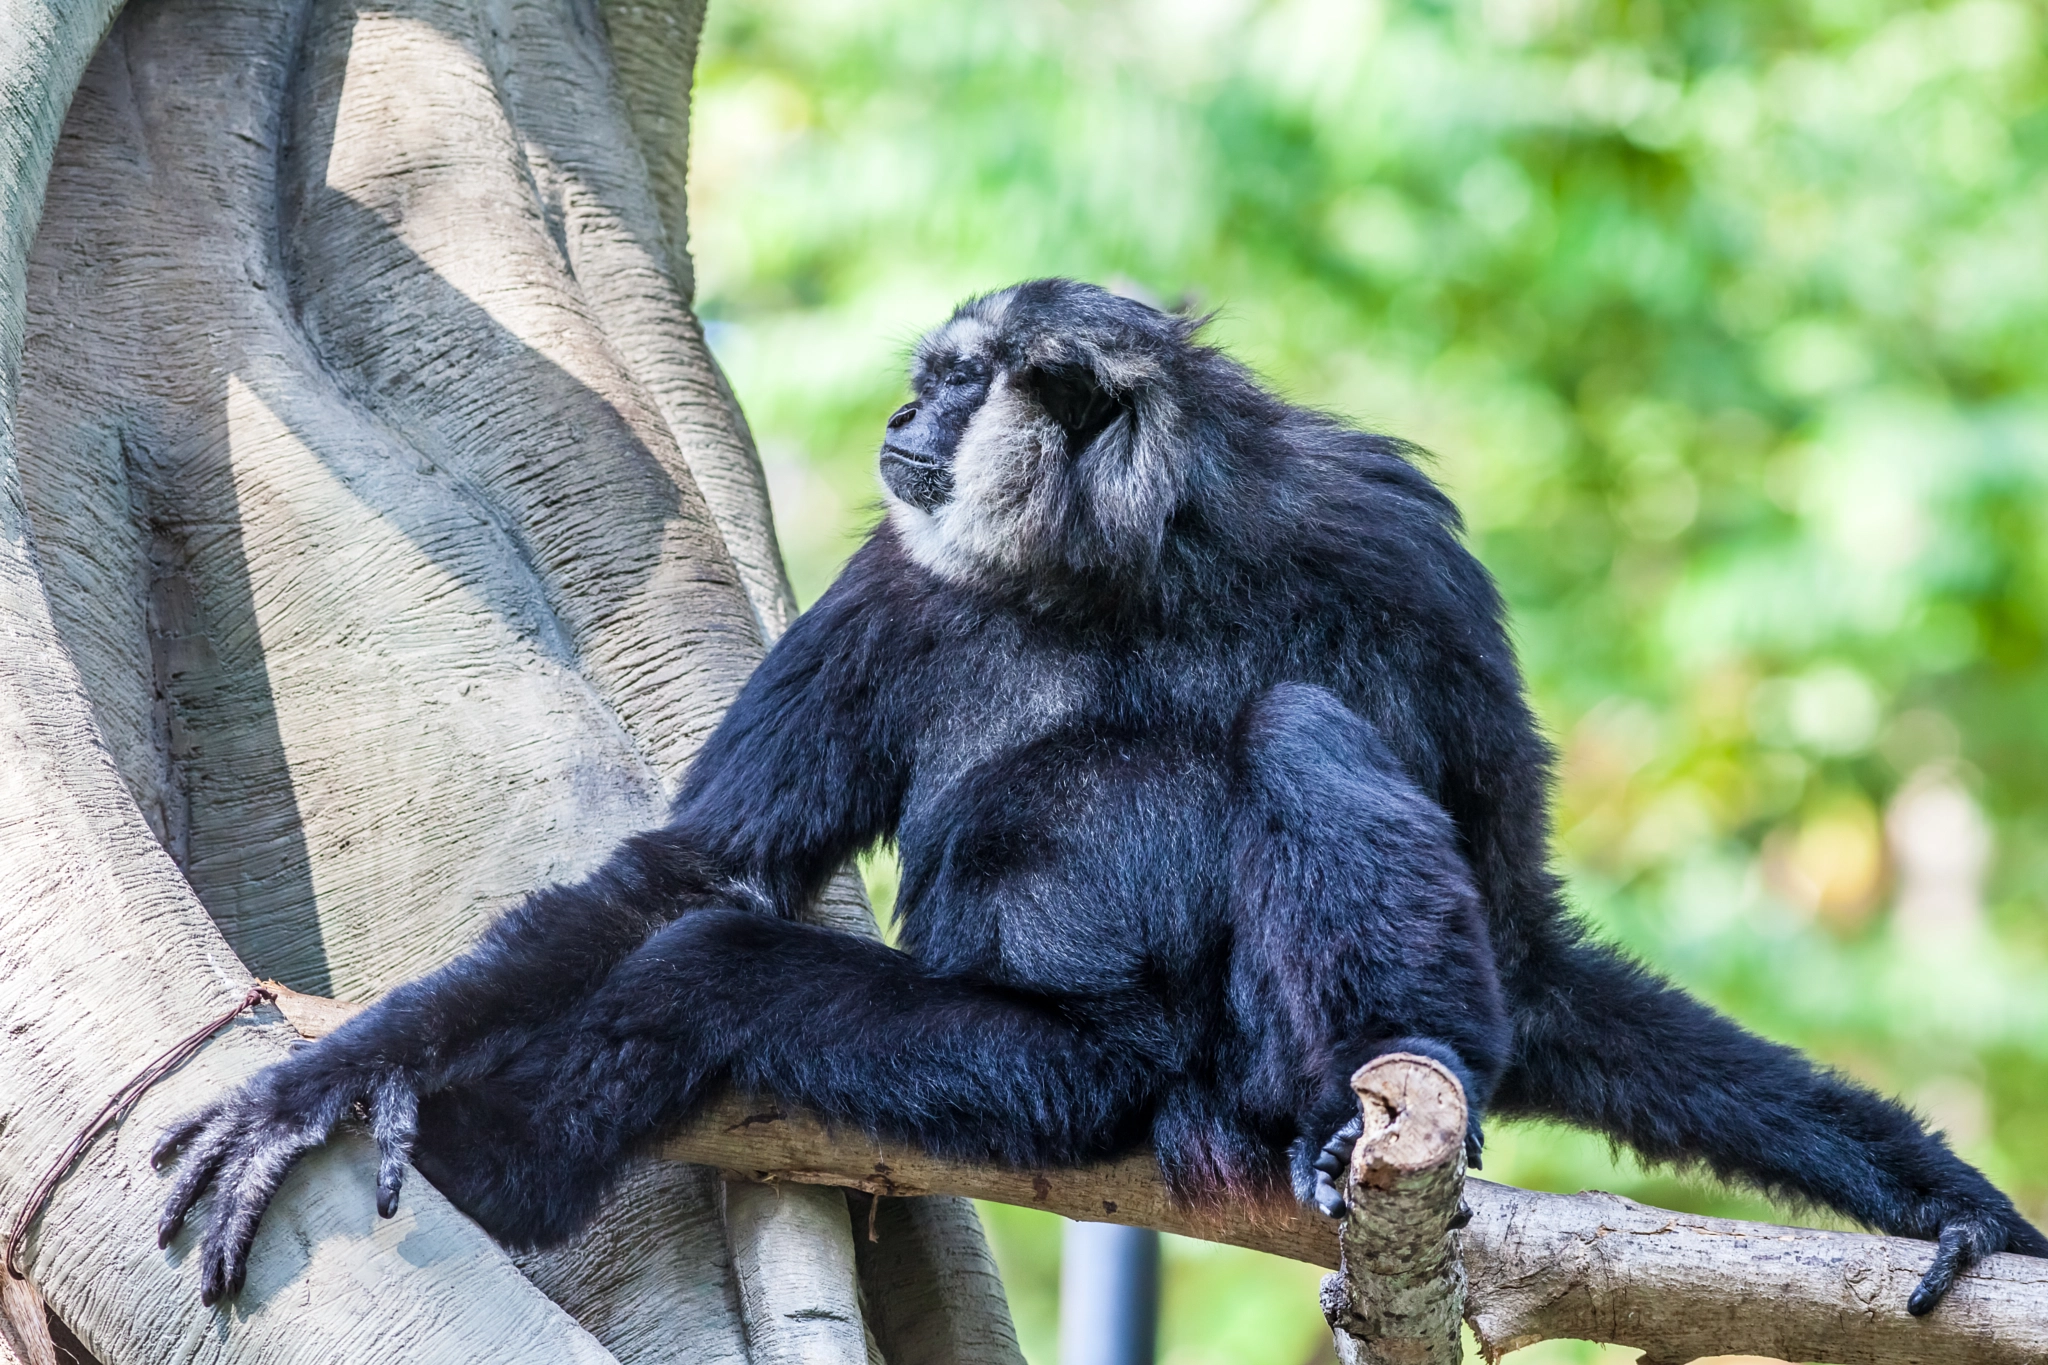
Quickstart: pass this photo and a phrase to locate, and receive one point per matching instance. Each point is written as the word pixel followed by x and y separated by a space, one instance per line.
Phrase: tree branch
pixel 1591 1267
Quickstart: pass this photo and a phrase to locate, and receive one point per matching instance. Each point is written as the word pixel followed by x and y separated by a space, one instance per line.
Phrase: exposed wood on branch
pixel 24 1325
pixel 1399 1295
pixel 1591 1267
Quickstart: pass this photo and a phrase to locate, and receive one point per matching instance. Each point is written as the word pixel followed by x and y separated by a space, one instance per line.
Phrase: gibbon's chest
pixel 1064 828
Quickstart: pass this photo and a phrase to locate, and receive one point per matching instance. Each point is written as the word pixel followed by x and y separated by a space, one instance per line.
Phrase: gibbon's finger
pixel 1329 1199
pixel 195 1172
pixel 247 1183
pixel 212 1278
pixel 181 1132
pixel 395 1124
pixel 1336 1153
pixel 1330 1164
pixel 1966 1239
pixel 1951 1258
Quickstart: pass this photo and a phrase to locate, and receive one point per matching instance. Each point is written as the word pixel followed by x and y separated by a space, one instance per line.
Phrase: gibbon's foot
pixel 1966 1239
pixel 1330 1165
pixel 1327 1191
pixel 243 1144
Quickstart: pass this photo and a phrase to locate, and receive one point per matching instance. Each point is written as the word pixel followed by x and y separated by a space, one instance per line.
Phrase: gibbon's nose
pixel 901 417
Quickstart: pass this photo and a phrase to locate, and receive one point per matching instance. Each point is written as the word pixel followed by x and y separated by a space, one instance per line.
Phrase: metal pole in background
pixel 1109 1294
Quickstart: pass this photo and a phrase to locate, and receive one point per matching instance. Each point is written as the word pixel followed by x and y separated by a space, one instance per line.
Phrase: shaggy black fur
pixel 1212 776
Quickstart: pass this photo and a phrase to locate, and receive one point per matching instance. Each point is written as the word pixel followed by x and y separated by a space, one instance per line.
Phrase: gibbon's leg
pixel 1602 1043
pixel 1358 917
pixel 852 1029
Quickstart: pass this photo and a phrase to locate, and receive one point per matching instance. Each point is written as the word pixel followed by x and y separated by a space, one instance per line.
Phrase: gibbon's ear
pixel 1072 397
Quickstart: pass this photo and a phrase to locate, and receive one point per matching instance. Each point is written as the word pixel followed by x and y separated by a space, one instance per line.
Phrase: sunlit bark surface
pixel 377 541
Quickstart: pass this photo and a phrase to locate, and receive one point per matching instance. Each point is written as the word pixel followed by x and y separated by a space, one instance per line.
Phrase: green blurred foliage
pixel 1728 325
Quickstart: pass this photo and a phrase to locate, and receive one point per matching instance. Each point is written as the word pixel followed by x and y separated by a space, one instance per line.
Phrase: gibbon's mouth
pixel 923 484
pixel 899 453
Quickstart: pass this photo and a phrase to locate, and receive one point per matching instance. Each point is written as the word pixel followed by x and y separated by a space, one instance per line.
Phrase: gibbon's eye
pixel 964 372
pixel 1072 397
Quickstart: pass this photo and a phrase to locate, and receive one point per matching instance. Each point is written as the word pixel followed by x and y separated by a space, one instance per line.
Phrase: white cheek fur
pixel 1006 486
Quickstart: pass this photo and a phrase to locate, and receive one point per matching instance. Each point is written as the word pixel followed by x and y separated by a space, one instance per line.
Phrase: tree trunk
pixel 378 540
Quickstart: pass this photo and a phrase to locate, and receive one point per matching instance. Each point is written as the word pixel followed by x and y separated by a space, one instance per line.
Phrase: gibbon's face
pixel 924 434
pixel 954 378
pixel 1024 442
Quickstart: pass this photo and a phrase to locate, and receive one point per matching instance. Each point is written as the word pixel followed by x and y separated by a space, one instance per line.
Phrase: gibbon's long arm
pixel 800 774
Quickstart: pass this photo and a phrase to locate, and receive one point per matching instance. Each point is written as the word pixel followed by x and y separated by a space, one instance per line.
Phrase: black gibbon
pixel 1212 777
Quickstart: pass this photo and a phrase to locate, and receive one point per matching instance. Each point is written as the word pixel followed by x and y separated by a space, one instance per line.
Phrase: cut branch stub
pixel 1399 1295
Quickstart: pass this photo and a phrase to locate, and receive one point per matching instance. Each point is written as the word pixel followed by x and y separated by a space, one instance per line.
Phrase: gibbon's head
pixel 1053 430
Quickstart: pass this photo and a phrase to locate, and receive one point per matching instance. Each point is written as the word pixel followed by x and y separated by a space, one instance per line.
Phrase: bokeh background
pixel 1727 324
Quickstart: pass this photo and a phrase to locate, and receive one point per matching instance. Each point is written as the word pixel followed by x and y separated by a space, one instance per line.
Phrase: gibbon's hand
pixel 1967 1238
pixel 244 1144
